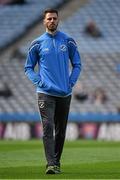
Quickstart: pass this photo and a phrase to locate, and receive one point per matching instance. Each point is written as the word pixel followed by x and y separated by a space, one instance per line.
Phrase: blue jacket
pixel 52 54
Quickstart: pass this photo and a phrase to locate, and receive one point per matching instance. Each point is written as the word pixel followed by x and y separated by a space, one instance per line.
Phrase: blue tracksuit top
pixel 52 54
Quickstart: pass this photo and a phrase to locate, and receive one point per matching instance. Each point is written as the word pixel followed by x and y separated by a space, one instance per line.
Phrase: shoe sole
pixel 50 172
pixel 57 172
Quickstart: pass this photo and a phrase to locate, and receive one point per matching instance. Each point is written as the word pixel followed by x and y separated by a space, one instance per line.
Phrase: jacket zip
pixel 54 43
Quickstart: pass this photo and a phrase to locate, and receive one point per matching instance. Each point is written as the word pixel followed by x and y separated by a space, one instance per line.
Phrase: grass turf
pixel 80 160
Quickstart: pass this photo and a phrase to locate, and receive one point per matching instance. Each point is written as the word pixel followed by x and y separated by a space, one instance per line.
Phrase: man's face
pixel 51 21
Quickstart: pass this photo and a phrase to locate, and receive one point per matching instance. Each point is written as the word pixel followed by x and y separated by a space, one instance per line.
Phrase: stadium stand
pixel 15 20
pixel 108 23
pixel 100 58
pixel 12 2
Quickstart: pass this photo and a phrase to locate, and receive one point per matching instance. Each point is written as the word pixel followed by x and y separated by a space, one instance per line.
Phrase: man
pixel 52 52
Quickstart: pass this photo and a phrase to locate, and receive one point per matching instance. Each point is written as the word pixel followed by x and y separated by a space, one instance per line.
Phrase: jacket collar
pixel 52 35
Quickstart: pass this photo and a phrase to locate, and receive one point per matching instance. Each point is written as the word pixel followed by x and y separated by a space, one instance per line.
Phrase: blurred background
pixel 95 107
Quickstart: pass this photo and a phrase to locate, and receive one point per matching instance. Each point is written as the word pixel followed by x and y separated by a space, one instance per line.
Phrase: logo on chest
pixel 63 47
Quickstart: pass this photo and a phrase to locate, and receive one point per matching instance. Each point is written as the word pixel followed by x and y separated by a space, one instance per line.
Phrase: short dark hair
pixel 50 11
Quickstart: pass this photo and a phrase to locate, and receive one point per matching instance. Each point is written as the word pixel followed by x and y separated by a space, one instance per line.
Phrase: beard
pixel 52 27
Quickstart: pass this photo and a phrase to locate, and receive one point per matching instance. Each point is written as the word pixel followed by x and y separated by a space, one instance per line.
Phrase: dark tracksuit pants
pixel 54 114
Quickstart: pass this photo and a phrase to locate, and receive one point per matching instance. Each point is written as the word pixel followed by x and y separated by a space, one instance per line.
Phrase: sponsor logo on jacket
pixel 63 47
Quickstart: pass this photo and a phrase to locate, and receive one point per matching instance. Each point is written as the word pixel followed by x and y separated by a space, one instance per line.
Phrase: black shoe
pixel 50 170
pixel 57 169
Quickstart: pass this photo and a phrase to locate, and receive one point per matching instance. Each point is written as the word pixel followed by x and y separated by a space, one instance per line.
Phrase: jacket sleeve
pixel 75 61
pixel 31 61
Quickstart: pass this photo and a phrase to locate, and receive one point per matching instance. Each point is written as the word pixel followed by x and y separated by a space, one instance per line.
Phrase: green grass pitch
pixel 80 160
